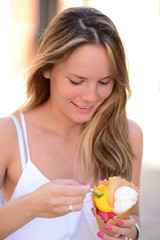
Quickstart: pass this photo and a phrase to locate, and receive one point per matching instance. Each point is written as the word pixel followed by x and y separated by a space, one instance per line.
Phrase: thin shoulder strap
pixel 20 142
pixel 25 135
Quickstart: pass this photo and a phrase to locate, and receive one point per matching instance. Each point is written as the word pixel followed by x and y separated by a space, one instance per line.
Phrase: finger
pixel 61 208
pixel 74 208
pixel 70 208
pixel 65 201
pixel 119 230
pixel 71 190
pixel 108 237
pixel 66 182
pixel 130 222
pixel 93 211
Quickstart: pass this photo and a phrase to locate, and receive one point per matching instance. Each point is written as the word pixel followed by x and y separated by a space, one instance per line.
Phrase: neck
pixel 52 120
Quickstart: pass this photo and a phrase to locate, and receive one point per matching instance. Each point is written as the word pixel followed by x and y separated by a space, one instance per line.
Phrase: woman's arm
pixel 136 142
pixel 16 213
pixel 50 200
pixel 127 228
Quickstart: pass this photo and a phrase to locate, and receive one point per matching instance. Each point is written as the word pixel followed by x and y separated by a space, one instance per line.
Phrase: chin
pixel 83 121
pixel 80 118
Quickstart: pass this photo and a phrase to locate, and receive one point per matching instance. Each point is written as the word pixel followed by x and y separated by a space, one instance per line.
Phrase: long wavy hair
pixel 105 148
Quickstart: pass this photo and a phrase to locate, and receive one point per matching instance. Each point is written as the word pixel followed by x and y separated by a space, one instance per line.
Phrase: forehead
pixel 88 59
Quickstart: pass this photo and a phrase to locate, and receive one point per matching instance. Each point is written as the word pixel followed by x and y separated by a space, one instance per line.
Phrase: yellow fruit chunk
pixel 102 202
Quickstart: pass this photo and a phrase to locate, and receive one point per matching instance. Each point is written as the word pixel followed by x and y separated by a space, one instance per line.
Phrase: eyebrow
pixel 85 78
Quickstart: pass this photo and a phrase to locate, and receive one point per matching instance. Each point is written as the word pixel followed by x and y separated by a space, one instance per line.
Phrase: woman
pixel 72 132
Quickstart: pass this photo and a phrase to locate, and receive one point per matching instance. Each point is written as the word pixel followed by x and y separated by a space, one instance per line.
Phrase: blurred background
pixel 138 22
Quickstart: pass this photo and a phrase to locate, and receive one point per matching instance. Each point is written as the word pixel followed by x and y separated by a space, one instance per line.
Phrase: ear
pixel 46 74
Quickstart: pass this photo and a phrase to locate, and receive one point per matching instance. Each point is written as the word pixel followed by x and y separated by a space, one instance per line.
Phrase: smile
pixel 83 108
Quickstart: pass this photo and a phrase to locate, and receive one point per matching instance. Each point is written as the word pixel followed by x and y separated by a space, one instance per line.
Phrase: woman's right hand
pixel 54 198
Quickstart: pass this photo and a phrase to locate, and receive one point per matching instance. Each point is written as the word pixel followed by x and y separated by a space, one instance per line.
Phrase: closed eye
pixel 75 83
pixel 105 83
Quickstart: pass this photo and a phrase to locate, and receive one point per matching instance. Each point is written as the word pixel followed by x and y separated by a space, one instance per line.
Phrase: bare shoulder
pixel 6 128
pixel 134 128
pixel 7 135
pixel 136 139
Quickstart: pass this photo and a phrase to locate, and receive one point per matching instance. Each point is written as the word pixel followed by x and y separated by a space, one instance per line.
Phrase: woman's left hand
pixel 125 230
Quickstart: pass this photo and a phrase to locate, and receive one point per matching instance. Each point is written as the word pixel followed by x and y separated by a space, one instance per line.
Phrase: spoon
pixel 99 194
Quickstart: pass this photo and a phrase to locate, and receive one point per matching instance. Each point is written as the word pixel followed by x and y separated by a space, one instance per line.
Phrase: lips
pixel 82 108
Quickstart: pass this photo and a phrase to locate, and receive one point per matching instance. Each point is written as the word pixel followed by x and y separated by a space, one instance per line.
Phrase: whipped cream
pixel 125 197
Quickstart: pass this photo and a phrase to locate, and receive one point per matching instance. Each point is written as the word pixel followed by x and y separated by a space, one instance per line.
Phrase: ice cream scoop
pixel 124 198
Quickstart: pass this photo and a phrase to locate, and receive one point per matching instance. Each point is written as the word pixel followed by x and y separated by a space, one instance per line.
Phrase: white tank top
pixel 80 225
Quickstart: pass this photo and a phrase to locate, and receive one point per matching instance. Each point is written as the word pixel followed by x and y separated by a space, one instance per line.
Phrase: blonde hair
pixel 105 146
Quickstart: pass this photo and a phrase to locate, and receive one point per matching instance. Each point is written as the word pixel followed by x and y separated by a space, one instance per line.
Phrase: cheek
pixel 66 93
pixel 59 89
pixel 105 93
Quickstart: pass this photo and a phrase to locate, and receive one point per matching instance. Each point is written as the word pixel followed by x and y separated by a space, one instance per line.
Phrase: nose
pixel 90 93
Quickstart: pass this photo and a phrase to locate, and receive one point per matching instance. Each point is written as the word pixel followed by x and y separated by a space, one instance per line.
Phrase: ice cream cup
pixel 114 183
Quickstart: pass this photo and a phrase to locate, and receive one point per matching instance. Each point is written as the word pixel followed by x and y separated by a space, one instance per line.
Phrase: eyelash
pixel 78 83
pixel 105 83
pixel 74 83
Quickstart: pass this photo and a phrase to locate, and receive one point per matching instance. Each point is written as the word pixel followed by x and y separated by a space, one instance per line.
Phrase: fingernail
pixel 120 222
pixel 83 184
pixel 108 227
pixel 100 234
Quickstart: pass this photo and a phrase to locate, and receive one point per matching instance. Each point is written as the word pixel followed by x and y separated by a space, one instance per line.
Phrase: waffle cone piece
pixel 114 183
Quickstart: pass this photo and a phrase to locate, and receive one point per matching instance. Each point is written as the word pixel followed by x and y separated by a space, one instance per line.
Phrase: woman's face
pixel 81 83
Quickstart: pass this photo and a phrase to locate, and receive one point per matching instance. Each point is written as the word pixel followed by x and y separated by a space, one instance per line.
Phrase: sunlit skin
pixel 80 83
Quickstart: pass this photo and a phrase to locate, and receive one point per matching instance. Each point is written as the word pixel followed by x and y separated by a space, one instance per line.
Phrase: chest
pixel 56 157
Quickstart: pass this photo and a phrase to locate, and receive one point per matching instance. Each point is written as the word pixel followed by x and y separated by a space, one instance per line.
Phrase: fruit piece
pixel 102 203
pixel 111 215
pixel 104 215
